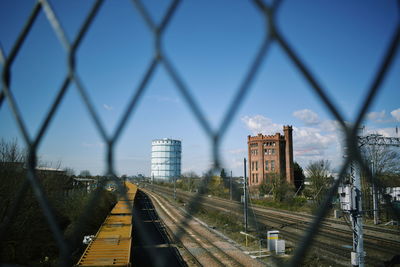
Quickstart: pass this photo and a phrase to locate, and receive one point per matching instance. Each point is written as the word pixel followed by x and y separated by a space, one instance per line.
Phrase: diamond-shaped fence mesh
pixel 161 59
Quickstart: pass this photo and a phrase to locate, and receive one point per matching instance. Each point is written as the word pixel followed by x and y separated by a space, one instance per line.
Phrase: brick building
pixel 270 154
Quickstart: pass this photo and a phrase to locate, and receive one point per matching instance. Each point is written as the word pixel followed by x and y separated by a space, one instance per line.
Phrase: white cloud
pixel 308 116
pixel 396 114
pixel 107 107
pixel 309 143
pixel 322 140
pixel 307 136
pixel 377 116
pixel 330 126
pixel 260 124
pixel 312 141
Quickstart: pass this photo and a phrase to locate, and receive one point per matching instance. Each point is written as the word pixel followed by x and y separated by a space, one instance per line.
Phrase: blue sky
pixel 211 44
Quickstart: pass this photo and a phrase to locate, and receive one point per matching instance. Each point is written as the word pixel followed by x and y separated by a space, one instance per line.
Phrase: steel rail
pixel 390 247
pixel 203 239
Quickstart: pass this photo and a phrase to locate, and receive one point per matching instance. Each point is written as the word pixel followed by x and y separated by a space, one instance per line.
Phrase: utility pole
pixel 174 188
pixel 355 210
pixel 358 254
pixel 152 183
pixel 375 194
pixel 245 198
pixel 230 187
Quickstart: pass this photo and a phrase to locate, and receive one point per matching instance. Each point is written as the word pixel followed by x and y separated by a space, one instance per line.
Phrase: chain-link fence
pixel 160 59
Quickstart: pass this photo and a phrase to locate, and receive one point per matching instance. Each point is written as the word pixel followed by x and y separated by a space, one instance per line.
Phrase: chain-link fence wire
pixel 160 58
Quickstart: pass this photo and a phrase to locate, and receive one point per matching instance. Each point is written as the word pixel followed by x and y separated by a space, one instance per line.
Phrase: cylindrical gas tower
pixel 166 159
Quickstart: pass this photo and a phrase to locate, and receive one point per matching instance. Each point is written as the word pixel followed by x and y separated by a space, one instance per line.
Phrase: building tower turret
pixel 289 153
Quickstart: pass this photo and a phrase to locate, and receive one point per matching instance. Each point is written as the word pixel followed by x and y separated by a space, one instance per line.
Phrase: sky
pixel 211 44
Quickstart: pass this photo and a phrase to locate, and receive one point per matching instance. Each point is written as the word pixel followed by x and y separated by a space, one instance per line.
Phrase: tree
pixel 298 176
pixel 85 173
pixel 320 179
pixel 189 180
pixel 11 152
pixel 223 174
pixel 224 178
pixel 12 159
pixel 386 161
pixel 69 171
pixel 264 188
pixel 386 164
pixel 281 190
pixel 27 238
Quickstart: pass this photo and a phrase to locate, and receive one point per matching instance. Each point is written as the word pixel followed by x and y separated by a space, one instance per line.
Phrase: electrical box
pixel 347 197
pixel 354 258
pixel 280 246
pixel 272 236
pixel 358 258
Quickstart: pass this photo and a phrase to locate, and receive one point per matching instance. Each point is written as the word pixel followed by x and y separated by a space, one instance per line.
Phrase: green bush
pixel 293 204
pixel 28 239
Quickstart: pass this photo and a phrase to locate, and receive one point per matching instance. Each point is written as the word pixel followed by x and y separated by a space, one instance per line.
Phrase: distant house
pixel 85 184
pixel 47 170
pixel 394 192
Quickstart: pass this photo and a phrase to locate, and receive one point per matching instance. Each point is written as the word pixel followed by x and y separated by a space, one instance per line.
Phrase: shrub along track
pixel 333 237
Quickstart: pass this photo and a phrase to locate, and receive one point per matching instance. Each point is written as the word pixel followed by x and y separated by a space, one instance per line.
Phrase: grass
pixel 227 223
pixel 297 204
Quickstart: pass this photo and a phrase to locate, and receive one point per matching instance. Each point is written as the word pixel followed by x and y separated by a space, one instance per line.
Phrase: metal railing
pixel 161 59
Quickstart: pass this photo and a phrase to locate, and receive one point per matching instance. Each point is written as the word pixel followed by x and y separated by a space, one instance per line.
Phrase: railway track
pixel 331 240
pixel 336 254
pixel 188 234
pixel 152 245
pixel 199 244
pixel 332 237
pixel 384 245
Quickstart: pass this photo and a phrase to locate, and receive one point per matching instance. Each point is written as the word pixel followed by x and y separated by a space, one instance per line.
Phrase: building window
pixel 253 144
pixel 256 165
pixel 273 144
pixel 273 151
pixel 266 165
pixel 257 178
pixel 252 178
pixel 252 165
pixel 272 165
